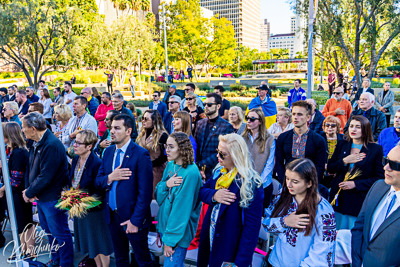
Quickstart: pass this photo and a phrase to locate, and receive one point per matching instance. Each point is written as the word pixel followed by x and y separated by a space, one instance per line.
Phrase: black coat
pixel 359 93
pixel 88 178
pixel 315 151
pixel 316 124
pixel 47 172
pixel 350 201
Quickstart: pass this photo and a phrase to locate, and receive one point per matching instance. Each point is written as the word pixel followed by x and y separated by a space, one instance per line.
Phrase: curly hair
pixel 185 148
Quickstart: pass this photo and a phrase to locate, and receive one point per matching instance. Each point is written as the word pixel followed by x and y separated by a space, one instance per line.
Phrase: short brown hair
pixel 37 107
pixel 89 138
pixel 336 120
pixel 303 104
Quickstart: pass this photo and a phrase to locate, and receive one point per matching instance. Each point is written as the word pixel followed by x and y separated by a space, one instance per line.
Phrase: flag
pixel 269 108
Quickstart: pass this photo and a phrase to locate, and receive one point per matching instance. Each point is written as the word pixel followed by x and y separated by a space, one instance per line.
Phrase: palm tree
pixel 136 4
pixel 145 6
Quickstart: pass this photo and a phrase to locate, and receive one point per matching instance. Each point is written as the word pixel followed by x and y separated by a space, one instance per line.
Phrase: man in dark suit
pixel 376 235
pixel 366 83
pixel 158 105
pixel 207 132
pixel 11 93
pixel 173 105
pixel 126 174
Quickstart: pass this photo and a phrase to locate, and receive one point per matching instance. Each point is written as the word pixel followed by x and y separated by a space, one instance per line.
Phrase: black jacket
pixel 376 118
pixel 47 173
pixel 316 151
pixel 316 124
pixel 25 107
pixel 167 121
pixel 88 178
pixel 126 111
pixel 350 201
pixel 359 93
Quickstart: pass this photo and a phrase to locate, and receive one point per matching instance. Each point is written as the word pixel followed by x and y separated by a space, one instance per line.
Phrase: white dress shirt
pixel 121 155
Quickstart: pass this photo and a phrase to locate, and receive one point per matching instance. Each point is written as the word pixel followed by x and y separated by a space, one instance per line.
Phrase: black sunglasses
pixel 155 95
pixel 172 102
pixel 392 164
pixel 209 104
pixel 327 125
pixel 221 155
pixel 337 93
pixel 189 98
pixel 252 119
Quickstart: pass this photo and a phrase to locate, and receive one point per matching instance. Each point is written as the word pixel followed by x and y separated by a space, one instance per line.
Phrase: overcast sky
pixel 278 14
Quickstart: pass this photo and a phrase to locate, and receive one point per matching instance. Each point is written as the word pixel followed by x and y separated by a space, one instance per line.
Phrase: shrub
pixel 141 102
pixel 381 80
pixel 375 79
pixel 397 97
pixel 240 103
pixel 375 84
pixel 396 81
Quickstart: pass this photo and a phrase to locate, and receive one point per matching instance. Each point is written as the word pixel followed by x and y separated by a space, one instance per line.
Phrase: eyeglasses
pixel 155 95
pixel 172 102
pixel 327 125
pixel 221 155
pixel 252 119
pixel 146 119
pixel 209 104
pixel 83 93
pixel 337 93
pixel 187 90
pixel 189 98
pixel 395 166
pixel 79 143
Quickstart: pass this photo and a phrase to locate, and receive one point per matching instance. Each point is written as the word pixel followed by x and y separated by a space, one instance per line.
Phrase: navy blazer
pixel 383 248
pixel 316 124
pixel 236 231
pixel 25 107
pixel 89 175
pixel 167 121
pixel 372 170
pixel 359 93
pixel 162 108
pixel 206 147
pixel 135 194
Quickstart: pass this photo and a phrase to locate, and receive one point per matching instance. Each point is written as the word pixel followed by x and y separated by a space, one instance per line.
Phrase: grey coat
pixel 386 102
pixel 383 249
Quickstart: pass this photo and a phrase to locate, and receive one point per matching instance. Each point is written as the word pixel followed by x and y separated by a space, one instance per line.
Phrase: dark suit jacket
pixel 25 107
pixel 88 177
pixel 372 170
pixel 236 232
pixel 206 147
pixel 316 151
pixel 126 111
pixel 359 93
pixel 167 121
pixel 133 195
pixel 383 249
pixel 162 108
pixel 316 124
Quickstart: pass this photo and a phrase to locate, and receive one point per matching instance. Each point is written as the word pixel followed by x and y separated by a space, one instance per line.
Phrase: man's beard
pixel 211 112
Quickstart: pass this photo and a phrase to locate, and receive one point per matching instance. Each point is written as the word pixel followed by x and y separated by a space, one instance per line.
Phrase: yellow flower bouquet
pixel 76 202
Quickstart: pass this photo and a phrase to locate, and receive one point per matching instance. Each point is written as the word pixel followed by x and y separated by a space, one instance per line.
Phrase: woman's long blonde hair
pixel 240 156
pixel 263 134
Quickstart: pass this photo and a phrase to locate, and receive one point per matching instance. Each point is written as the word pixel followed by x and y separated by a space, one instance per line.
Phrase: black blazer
pixel 349 202
pixel 88 176
pixel 316 151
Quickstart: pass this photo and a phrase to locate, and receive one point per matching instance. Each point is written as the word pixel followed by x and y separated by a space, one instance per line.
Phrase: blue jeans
pixel 55 223
pixel 133 91
pixel 177 259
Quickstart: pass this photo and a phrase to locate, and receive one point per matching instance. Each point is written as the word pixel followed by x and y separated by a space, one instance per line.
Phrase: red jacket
pixel 100 116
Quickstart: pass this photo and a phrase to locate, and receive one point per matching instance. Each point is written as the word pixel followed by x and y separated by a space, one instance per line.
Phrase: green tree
pixel 198 40
pixel 116 46
pixel 34 34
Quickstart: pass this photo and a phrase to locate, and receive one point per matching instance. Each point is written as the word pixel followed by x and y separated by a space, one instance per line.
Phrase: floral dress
pixel 316 249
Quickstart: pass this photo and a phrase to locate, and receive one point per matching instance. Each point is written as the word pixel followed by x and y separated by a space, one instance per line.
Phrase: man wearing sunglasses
pixel 189 88
pixel 390 137
pixel 338 106
pixel 173 104
pixel 376 235
pixel 158 105
pixel 207 132
pixel 264 102
pixel 30 95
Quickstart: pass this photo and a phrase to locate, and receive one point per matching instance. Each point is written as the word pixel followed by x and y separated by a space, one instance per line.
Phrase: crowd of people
pixel 218 174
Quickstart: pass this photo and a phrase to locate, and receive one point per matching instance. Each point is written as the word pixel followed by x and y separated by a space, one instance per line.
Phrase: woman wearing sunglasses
pixel 183 123
pixel 235 195
pixel 303 220
pixel 177 195
pixel 194 110
pixel 152 137
pixel 261 145
pixel 358 159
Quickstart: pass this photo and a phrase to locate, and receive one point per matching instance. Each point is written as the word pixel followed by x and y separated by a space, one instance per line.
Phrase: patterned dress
pixel 316 249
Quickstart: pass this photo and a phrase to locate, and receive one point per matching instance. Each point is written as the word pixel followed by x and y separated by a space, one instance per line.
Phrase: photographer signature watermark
pixel 38 246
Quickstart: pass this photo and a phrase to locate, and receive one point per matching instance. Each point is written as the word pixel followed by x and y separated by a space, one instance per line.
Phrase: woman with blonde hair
pixel 152 137
pixel 235 195
pixel 177 196
pixel 261 145
pixel 283 122
pixel 182 123
pixel 10 112
pixel 236 119
pixel 46 101
pixel 18 157
pixel 62 114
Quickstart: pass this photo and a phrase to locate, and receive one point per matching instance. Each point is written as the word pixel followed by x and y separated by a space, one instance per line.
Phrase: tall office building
pixel 245 18
pixel 265 33
pixel 293 24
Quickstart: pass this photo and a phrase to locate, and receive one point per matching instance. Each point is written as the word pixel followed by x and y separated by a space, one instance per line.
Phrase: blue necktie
pixel 364 113
pixel 113 191
pixel 383 214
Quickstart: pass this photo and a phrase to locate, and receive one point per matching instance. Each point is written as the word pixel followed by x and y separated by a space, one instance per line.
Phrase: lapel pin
pixel 127 156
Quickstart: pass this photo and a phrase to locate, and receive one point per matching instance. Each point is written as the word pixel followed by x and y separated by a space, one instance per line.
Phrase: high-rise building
pixel 293 24
pixel 245 18
pixel 265 33
pixel 283 41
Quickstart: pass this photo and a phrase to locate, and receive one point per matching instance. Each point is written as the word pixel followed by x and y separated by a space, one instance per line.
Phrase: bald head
pixel 392 177
pixel 86 92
